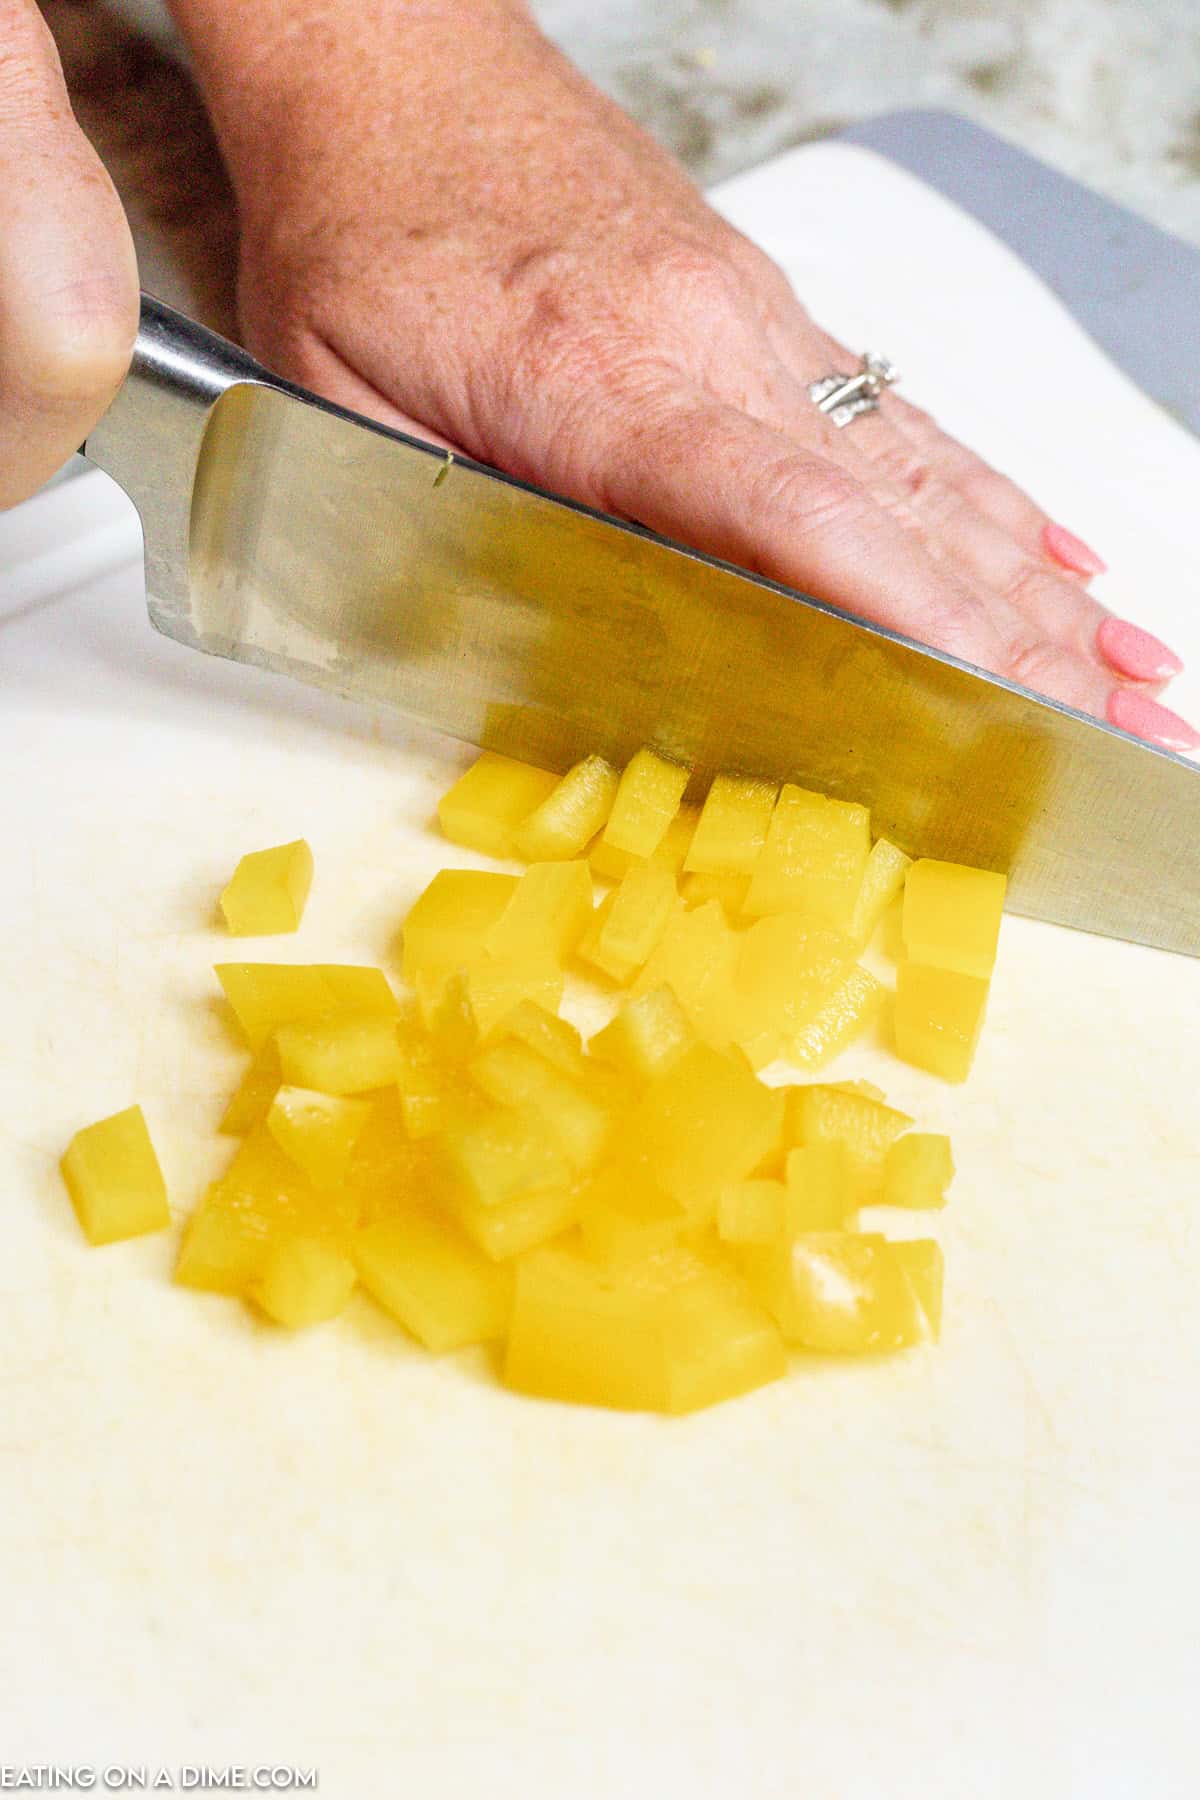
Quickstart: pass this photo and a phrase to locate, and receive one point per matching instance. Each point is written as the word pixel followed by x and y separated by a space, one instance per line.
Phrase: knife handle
pixel 152 436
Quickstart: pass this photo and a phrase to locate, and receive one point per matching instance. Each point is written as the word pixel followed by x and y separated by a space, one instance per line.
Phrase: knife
pixel 283 531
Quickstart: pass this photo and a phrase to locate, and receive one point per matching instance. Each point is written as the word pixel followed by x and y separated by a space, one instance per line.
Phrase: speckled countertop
pixel 1109 90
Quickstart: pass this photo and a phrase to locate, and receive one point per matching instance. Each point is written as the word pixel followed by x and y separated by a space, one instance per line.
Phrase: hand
pixel 446 227
pixel 68 276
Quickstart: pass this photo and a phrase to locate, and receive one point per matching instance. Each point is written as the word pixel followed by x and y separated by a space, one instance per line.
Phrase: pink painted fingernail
pixel 1136 713
pixel 1136 652
pixel 1071 551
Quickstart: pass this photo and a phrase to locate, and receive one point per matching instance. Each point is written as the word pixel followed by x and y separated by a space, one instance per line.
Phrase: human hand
pixel 447 228
pixel 68 276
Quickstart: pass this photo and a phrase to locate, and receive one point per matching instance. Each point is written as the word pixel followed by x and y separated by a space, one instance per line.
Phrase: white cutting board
pixel 963 1573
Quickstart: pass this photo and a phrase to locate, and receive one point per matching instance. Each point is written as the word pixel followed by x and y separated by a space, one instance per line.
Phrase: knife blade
pixel 282 531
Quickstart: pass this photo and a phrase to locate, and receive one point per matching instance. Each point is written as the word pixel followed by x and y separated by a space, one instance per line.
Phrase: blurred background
pixel 1108 90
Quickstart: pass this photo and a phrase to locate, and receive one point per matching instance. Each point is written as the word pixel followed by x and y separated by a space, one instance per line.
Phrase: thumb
pixel 68 275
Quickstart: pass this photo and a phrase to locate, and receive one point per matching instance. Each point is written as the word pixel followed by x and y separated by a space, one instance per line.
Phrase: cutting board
pixel 962 1572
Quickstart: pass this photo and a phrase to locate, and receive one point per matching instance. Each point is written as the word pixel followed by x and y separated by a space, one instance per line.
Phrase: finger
pixel 993 494
pixel 68 275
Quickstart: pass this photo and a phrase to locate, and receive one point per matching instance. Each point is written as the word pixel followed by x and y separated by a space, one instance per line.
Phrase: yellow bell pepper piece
pixel 519 1224
pixel 340 1055
pixel 732 827
pixel 266 995
pixel 553 1038
pixel 752 1212
pixel 822 1113
pixel 917 1170
pixel 438 1285
pixel 922 1261
pixel 488 804
pixel 938 1019
pixel 390 1168
pixel 882 880
pixel 840 1292
pixel 318 1131
pixel 262 1198
pixel 648 798
pixel 496 984
pixel 851 1007
pixel 729 890
pixel 446 926
pixel 669 1335
pixel 433 1090
pixel 951 917
pixel 610 864
pixel 624 1218
pixel 705 1123
pixel 304 1281
pixel 114 1179
pixel 502 1153
pixel 548 913
pixel 268 890
pixel 646 1036
pixel 569 818
pixel 813 859
pixel 632 921
pixel 696 957
pixel 251 1099
pixel 818 1187
pixel 514 1075
pixel 787 969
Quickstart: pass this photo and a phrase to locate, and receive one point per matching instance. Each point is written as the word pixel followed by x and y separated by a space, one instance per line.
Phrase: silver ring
pixel 843 397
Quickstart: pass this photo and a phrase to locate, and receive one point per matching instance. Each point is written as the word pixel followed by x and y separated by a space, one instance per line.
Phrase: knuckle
pixel 1038 664
pixel 817 497
pixel 691 276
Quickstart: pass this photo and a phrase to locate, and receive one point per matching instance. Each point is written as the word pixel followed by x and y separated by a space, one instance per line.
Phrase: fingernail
pixel 1136 652
pixel 1071 551
pixel 1145 718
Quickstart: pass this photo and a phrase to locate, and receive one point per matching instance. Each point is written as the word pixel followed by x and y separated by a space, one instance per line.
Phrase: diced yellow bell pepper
pixel 818 1187
pixel 752 1212
pixel 917 1170
pixel 851 1007
pixel 839 1292
pixel 610 863
pixel 813 860
pixel 519 1224
pixel 433 1090
pixel 832 1114
pixel 251 1100
pixel 696 957
pixel 262 1198
pixel 670 1335
pixel 646 1036
pixel 634 918
pixel 114 1179
pixel 624 1218
pixel 448 1014
pixel 448 923
pixel 729 890
pixel 786 970
pixel 648 798
pixel 318 1131
pixel 732 827
pixel 495 984
pixel 390 1168
pixel 554 1038
pixel 490 802
pixel 938 1019
pixel 705 1123
pixel 340 1055
pixel 501 1153
pixel 883 878
pixel 424 1271
pixel 951 917
pixel 547 915
pixel 514 1075
pixel 303 1281
pixel 266 995
pixel 268 890
pixel 569 818
pixel 922 1261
